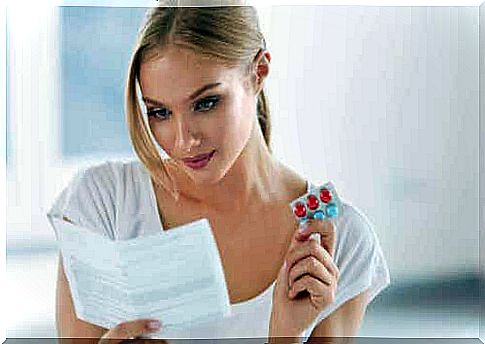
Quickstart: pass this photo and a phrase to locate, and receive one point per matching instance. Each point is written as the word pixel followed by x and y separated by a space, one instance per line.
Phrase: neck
pixel 250 178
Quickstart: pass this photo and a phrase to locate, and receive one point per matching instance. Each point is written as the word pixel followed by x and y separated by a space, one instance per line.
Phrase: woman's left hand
pixel 308 283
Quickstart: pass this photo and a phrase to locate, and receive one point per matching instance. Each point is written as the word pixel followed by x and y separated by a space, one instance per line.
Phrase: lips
pixel 198 157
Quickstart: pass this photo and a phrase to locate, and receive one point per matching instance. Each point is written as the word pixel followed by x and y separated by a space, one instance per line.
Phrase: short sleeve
pixel 360 260
pixel 88 200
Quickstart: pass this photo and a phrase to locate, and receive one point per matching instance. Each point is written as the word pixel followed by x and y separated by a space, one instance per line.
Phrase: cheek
pixel 234 128
pixel 245 114
pixel 161 135
pixel 234 124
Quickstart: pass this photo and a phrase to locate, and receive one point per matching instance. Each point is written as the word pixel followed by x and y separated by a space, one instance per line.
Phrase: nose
pixel 185 140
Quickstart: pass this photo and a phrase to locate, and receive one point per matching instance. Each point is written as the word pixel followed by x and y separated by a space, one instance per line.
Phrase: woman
pixel 200 73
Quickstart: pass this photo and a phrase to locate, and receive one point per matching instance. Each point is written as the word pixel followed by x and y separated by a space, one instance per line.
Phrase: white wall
pixel 384 102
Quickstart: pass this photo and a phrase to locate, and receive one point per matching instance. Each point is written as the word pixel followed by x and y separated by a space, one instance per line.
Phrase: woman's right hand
pixel 130 330
pixel 309 268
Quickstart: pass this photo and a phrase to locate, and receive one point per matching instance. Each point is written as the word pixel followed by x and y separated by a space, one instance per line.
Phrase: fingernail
pixel 154 325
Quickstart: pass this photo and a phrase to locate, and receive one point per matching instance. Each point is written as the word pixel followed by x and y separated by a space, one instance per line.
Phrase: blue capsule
pixel 332 210
pixel 319 215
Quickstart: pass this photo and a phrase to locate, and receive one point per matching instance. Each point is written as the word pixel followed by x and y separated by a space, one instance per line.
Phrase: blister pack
pixel 319 203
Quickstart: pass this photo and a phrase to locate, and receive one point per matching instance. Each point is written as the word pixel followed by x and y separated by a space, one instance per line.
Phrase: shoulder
pixel 92 196
pixel 290 183
pixel 110 170
pixel 110 176
pixel 354 226
pixel 358 253
pixel 356 239
pixel 111 182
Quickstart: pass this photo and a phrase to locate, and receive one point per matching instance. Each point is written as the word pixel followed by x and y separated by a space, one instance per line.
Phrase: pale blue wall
pixel 95 44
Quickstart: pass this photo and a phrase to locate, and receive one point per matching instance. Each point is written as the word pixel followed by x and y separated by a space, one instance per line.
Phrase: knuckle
pixel 334 284
pixel 306 279
pixel 314 247
pixel 332 279
pixel 294 286
pixel 327 281
pixel 314 264
pixel 330 295
pixel 314 282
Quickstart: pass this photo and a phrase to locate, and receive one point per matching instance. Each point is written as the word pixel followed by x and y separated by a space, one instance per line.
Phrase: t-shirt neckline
pixel 156 213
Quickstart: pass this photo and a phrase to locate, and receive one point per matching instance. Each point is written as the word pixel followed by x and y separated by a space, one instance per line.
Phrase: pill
pixel 332 210
pixel 299 209
pixel 325 195
pixel 319 215
pixel 312 202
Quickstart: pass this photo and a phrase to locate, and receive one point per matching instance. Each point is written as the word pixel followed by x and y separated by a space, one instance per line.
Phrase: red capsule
pixel 325 195
pixel 299 209
pixel 312 202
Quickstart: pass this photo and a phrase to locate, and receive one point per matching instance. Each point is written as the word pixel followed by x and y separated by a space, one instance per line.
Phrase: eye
pixel 206 104
pixel 158 113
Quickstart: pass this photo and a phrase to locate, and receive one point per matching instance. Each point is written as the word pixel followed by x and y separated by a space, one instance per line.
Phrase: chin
pixel 206 177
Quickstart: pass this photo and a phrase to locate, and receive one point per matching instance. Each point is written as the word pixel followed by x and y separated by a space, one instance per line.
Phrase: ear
pixel 261 69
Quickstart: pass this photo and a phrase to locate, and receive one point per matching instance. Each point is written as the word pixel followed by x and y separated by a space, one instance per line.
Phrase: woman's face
pixel 197 106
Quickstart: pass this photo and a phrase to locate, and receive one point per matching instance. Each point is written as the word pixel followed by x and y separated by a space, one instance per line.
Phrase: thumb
pixel 323 231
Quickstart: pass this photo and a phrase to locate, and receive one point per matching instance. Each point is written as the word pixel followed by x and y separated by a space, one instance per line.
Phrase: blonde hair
pixel 230 34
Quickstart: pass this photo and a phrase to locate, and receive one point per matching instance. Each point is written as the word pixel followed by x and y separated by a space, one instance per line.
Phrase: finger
pixel 131 329
pixel 314 286
pixel 325 228
pixel 316 237
pixel 282 279
pixel 312 248
pixel 312 267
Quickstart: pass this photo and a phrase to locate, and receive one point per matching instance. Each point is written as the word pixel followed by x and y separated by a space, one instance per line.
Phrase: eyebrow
pixel 191 97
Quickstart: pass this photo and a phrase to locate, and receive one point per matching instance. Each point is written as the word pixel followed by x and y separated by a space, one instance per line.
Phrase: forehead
pixel 178 71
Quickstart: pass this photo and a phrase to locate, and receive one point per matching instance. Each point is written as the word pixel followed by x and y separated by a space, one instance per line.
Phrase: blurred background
pixel 383 101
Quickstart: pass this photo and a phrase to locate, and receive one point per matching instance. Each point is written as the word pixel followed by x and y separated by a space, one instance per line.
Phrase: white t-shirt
pixel 116 199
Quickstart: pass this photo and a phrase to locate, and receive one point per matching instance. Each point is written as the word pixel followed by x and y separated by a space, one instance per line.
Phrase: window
pixel 95 47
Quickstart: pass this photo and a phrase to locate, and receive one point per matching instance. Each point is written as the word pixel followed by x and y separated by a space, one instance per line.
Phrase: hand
pixel 308 283
pixel 131 330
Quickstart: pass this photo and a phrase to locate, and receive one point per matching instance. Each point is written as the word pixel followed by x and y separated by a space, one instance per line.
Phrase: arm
pixel 344 322
pixel 68 325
